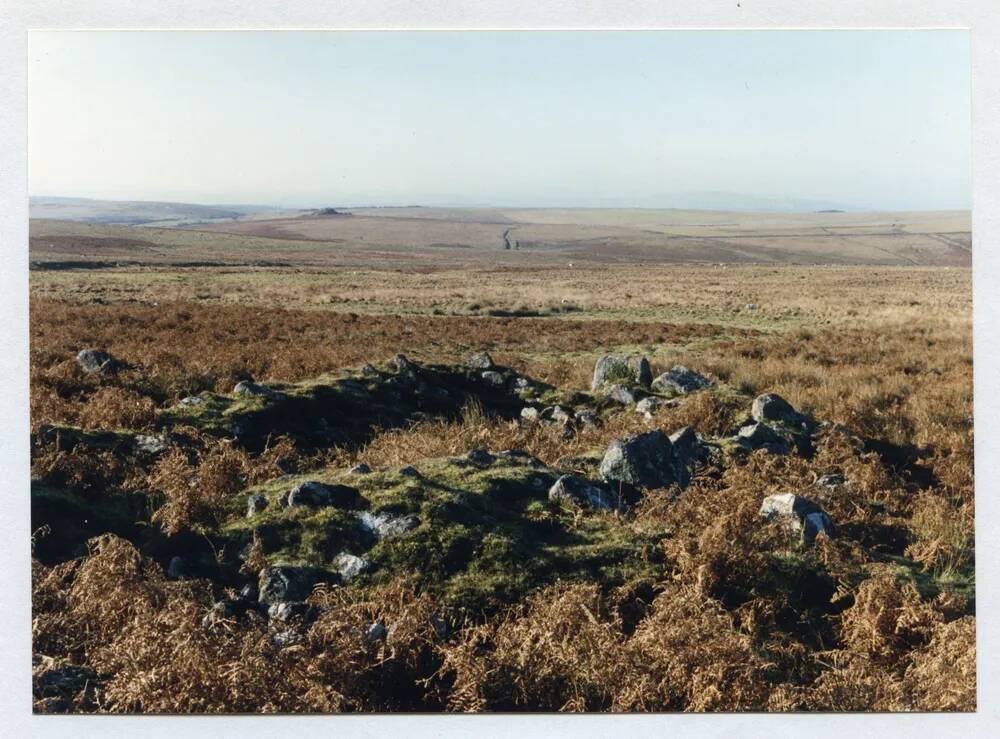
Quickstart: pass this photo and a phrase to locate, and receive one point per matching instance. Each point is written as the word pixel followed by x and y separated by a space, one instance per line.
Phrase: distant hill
pixel 142 212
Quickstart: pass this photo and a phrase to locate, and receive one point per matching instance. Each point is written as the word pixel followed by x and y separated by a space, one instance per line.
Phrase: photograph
pixel 500 371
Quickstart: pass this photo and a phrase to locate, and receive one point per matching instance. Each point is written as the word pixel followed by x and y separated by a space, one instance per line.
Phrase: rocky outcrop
pixel 617 368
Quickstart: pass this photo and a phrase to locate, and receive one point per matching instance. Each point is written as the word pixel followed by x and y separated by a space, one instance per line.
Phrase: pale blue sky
pixel 875 120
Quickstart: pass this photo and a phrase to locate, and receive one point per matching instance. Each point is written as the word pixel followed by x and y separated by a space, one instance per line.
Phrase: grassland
pixel 500 599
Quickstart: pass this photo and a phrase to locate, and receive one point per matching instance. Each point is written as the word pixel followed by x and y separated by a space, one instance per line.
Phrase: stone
pixel 287 638
pixel 586 417
pixel 384 525
pixel 96 360
pixel 286 611
pixel 494 379
pixel 175 568
pixel 680 380
pixel 192 401
pixel 800 515
pixel 248 592
pixel 762 436
pixel 350 566
pixel 831 481
pixel 480 457
pixel 148 444
pixel 689 451
pixel 528 413
pixel 645 460
pixel 370 371
pixel 360 469
pixel 620 394
pixel 316 494
pixel 255 504
pixel 278 583
pixel 773 408
pixel 252 389
pixel 409 471
pixel 401 364
pixel 583 493
pixel 480 361
pixel 521 384
pixel 616 368
pixel 558 414
pixel 376 632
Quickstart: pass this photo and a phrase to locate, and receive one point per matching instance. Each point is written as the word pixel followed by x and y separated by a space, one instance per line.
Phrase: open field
pixel 464 584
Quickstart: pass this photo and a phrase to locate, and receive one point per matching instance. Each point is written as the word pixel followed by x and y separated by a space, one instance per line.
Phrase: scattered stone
pixel 528 413
pixel 645 460
pixel 480 361
pixel 621 394
pixel 350 566
pixel 255 504
pixel 616 368
pixel 360 469
pixel 287 638
pixel 191 401
pixel 409 471
pixel 774 408
pixel 148 444
pixel 762 436
pixel 96 360
pixel 833 480
pixel 480 457
pixel 384 525
pixel 558 414
pixel 376 633
pixel 586 417
pixel 494 379
pixel 279 583
pixel 286 611
pixel 254 390
pixel 317 494
pixel 583 493
pixel 680 380
pixel 175 568
pixel 800 515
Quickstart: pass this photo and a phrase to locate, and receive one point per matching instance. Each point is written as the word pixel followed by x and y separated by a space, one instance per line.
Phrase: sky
pixel 876 120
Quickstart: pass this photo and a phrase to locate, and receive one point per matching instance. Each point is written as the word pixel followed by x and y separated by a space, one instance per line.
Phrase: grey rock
pixel 255 504
pixel 278 583
pixel 401 364
pixel 286 638
pixel 800 515
pixel 384 525
pixel 192 401
pixel 286 611
pixel 376 632
pixel 558 414
pixel 175 568
pixel 254 389
pixel 96 360
pixel 645 460
pixel 521 384
pixel 586 417
pixel 494 379
pixel 621 394
pixel 689 451
pixel 480 457
pixel 317 494
pixel 529 414
pixel 480 361
pixel 680 380
pixel 762 436
pixel 583 493
pixel 773 408
pixel 350 566
pixel 370 371
pixel 617 368
pixel 831 481
pixel 149 444
pixel 360 469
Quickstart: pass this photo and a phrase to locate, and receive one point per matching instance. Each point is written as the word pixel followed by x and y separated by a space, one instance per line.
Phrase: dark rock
pixel 679 380
pixel 176 568
pixel 255 504
pixel 642 371
pixel 96 360
pixel 60 682
pixel 409 471
pixel 800 515
pixel 586 417
pixel 583 493
pixel 646 460
pixel 360 469
pixel 689 451
pixel 480 361
pixel 248 592
pixel 370 371
pixel 773 408
pixel 286 611
pixel 480 457
pixel 376 632
pixel 494 379
pixel 317 494
pixel 284 582
pixel 762 436
pixel 401 364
